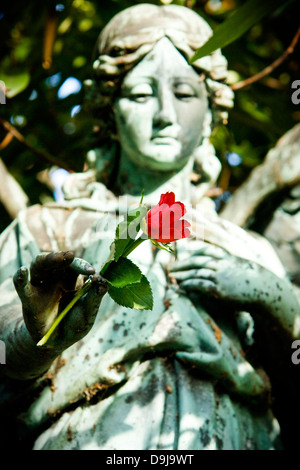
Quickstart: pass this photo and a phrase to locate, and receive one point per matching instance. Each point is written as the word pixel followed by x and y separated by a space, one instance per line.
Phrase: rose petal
pixel 164 221
pixel 167 198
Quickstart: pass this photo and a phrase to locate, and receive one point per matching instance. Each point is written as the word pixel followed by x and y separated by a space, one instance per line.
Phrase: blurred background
pixel 45 55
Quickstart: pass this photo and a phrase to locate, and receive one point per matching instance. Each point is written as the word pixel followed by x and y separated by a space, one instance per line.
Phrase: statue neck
pixel 133 179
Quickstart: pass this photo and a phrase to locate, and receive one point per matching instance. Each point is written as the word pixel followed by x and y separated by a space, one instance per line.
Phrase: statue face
pixel 161 110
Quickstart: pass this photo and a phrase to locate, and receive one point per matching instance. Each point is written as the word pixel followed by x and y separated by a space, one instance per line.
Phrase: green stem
pixel 133 245
pixel 83 290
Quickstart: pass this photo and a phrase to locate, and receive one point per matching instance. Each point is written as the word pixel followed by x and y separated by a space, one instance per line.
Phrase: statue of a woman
pixel 185 375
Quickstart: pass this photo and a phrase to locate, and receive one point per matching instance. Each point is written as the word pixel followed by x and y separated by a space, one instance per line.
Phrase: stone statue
pixel 193 372
pixel 272 192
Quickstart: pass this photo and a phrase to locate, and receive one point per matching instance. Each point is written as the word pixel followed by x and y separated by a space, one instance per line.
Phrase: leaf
pixel 15 83
pixel 137 296
pixel 122 273
pixel 109 259
pixel 127 230
pixel 242 19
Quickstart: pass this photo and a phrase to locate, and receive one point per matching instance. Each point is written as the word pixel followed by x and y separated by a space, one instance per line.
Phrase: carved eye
pixel 141 92
pixel 184 91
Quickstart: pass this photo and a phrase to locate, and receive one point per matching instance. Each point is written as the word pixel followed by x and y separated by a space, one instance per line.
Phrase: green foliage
pixel 15 83
pixel 137 295
pixel 240 21
pixel 53 126
pixel 126 232
pixel 123 272
pixel 127 285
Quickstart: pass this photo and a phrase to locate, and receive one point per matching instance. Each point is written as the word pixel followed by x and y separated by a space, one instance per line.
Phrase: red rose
pixel 164 223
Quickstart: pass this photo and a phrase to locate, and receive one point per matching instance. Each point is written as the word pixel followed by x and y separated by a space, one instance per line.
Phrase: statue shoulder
pixel 56 227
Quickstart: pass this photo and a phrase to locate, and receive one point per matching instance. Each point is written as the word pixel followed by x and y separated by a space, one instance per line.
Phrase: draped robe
pixel 176 377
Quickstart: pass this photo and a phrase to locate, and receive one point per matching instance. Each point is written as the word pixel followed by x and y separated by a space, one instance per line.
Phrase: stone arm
pixel 43 293
pixel 280 171
pixel 244 285
pixel 272 301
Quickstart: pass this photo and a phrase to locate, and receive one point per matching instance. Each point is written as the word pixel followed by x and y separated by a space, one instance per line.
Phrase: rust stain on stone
pixel 216 329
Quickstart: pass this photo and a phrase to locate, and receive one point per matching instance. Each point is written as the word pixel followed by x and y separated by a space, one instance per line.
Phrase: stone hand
pixel 215 272
pixel 51 285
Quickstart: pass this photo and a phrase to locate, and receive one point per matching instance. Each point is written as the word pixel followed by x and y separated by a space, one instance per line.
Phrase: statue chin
pixel 161 161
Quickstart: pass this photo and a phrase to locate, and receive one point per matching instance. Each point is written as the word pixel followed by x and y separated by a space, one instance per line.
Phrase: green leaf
pixel 122 273
pixel 110 258
pixel 15 83
pixel 242 19
pixel 137 296
pixel 127 230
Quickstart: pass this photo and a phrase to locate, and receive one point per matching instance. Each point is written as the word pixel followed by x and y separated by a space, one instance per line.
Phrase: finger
pixel 44 263
pixel 80 266
pixel 20 280
pixel 211 250
pixel 193 274
pixel 81 319
pixel 200 285
pixel 192 263
pixel 95 294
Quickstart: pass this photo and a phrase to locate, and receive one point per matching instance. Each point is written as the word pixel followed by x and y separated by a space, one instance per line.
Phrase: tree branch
pixel 49 37
pixel 12 195
pixel 266 71
pixel 41 153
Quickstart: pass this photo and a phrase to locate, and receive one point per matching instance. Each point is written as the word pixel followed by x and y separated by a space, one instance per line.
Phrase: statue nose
pixel 166 113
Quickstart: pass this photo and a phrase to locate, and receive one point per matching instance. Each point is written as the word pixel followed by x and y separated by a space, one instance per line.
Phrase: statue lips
pixel 165 137
pixel 162 140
